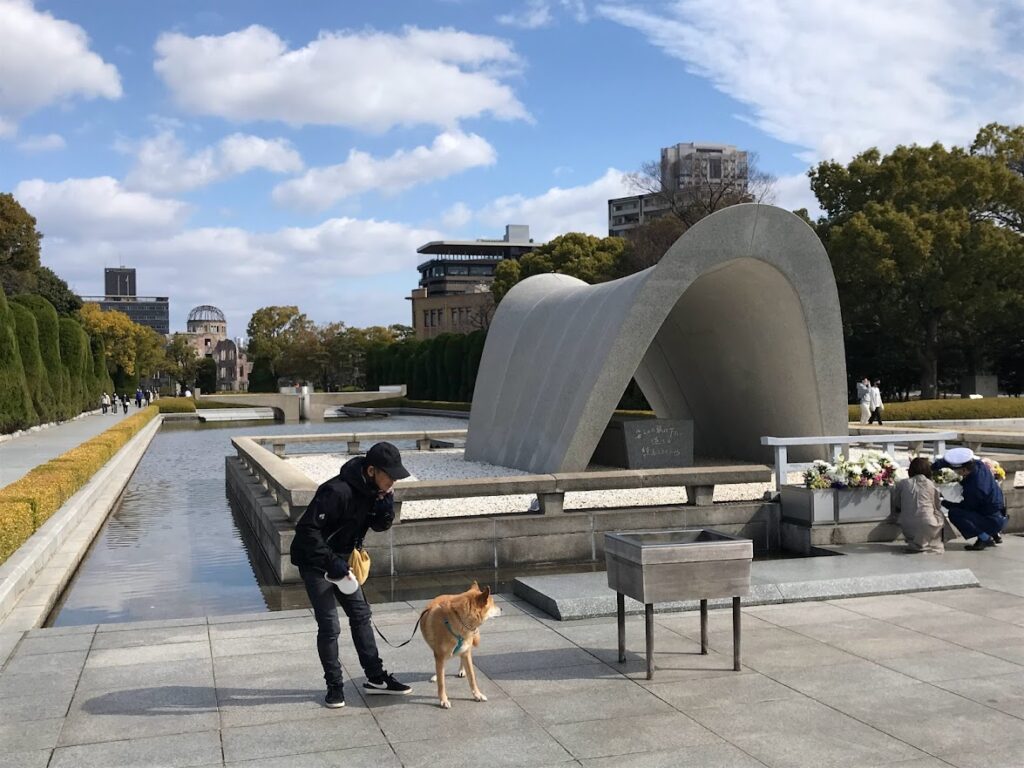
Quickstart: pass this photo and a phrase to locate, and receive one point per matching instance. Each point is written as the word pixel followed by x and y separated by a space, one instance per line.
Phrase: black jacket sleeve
pixel 323 513
pixel 383 514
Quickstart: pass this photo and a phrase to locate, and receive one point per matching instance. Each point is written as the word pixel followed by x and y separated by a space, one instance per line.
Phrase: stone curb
pixel 41 427
pixel 62 540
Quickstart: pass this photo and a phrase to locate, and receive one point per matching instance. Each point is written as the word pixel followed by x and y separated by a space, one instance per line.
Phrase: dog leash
pixel 400 645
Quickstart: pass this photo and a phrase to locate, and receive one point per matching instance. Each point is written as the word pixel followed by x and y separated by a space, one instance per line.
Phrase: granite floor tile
pixel 178 751
pixel 602 738
pixel 115 657
pixel 800 733
pixel 299 737
pixel 528 745
pixel 381 756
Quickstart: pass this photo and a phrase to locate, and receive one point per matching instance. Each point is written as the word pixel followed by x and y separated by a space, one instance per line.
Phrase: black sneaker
pixel 335 698
pixel 386 684
pixel 998 539
pixel 980 545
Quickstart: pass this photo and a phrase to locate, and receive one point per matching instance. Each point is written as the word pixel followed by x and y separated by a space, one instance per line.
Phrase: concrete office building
pixel 454 294
pixel 120 295
pixel 687 170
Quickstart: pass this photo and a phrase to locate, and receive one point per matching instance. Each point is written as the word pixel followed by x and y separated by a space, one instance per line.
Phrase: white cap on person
pixel 957 457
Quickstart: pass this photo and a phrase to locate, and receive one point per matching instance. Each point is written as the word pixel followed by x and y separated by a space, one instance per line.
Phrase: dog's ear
pixel 485 593
pixel 474 587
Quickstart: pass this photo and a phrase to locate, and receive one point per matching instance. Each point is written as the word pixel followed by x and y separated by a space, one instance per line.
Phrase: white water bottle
pixel 347 584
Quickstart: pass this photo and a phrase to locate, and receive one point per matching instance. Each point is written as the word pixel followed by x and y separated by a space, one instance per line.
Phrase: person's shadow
pixel 192 699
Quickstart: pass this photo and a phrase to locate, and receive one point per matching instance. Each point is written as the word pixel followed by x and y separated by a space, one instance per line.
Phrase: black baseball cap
pixel 386 458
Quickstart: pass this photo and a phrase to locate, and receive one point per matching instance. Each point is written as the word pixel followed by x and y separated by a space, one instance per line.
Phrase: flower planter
pixel 828 506
pixel 810 506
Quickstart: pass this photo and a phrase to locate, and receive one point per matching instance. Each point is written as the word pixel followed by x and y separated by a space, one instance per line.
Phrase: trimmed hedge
pixel 16 410
pixel 36 496
pixel 404 402
pixel 47 324
pixel 176 405
pixel 35 372
pixel 207 402
pixel 15 526
pixel 953 408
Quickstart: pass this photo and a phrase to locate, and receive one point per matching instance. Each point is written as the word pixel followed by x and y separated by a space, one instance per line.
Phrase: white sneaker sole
pixel 334 706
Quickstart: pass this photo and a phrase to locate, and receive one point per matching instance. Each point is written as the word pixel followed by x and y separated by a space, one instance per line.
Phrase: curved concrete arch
pixel 737 328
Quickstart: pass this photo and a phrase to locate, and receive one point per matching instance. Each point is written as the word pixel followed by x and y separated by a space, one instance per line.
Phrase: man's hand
pixel 338 569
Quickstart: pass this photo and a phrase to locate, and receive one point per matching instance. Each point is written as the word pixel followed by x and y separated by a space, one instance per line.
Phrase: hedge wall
pixel 952 408
pixel 35 372
pixel 49 349
pixel 29 502
pixel 176 405
pixel 16 409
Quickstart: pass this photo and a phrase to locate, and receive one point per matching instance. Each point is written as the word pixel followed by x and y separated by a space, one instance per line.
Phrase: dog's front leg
pixel 467 667
pixel 442 695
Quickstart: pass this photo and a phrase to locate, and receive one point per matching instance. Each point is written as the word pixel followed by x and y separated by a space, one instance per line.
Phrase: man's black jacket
pixel 337 519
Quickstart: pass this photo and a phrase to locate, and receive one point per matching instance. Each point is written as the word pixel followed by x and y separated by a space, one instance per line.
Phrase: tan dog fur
pixel 465 613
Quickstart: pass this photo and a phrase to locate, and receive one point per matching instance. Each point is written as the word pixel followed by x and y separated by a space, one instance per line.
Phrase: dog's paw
pixel 445 704
pixel 478 696
pixel 462 673
pixel 433 678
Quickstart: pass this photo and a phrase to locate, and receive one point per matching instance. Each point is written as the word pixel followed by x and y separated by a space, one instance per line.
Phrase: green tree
pixel 206 375
pixel 182 360
pixel 262 378
pixel 35 372
pixel 16 410
pixel 118 332
pixel 73 345
pixel 52 288
pixel 589 258
pixel 455 354
pixel 269 328
pixel 19 247
pixel 649 242
pixel 919 256
pixel 49 348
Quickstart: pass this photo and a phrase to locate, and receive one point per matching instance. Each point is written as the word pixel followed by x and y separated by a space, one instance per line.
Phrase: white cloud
pixel 559 210
pixel 163 164
pixel 451 152
pixel 47 143
pixel 457 216
pixel 97 208
pixel 538 13
pixel 794 192
pixel 837 77
pixel 367 80
pixel 336 270
pixel 44 60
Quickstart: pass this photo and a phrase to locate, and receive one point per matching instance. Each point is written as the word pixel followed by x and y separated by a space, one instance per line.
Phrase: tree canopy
pixel 587 257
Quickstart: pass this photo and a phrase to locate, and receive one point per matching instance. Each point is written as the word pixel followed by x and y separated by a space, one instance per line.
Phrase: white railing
pixel 837 444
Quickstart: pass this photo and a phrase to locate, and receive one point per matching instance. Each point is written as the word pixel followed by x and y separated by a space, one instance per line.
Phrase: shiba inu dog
pixel 451 627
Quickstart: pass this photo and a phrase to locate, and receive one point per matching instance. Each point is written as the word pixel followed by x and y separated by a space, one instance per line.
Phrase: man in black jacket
pixel 334 524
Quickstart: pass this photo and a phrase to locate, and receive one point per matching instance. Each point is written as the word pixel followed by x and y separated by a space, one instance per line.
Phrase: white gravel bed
pixel 451 465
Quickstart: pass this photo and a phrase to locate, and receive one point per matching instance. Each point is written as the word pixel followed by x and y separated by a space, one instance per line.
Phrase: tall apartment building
pixel 454 294
pixel 120 295
pixel 688 169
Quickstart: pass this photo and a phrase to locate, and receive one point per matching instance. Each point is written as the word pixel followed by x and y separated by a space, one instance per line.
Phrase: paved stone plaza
pixel 914 681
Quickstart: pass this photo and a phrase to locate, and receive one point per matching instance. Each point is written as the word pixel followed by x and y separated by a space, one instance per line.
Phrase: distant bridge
pixel 293 407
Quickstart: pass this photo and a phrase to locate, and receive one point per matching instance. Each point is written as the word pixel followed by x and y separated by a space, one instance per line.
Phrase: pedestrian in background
pixel 875 402
pixel 864 399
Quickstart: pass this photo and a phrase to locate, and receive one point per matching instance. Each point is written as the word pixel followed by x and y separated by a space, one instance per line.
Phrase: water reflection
pixel 172 547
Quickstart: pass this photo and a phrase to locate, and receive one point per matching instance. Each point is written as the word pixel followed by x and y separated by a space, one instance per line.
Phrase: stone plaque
pixel 646 444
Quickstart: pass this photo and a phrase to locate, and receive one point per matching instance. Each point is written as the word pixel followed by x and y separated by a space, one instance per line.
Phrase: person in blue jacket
pixel 982 512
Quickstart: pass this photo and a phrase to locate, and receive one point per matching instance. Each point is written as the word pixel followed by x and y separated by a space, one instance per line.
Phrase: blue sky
pixel 252 153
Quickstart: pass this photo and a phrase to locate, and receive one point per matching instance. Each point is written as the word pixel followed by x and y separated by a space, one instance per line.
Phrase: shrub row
pixel 50 370
pixel 29 502
pixel 953 408
pixel 443 368
pixel 176 405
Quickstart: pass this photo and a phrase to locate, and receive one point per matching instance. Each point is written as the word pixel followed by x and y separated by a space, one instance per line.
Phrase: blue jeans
pixel 324 597
pixel 971 523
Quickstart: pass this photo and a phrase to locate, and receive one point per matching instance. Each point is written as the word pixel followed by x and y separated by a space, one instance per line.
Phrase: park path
pixel 23 453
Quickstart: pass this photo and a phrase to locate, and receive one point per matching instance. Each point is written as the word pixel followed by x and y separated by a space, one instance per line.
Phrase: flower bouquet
pixel 997 471
pixel 872 469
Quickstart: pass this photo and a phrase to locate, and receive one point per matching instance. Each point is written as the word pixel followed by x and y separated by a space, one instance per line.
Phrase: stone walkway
pixel 26 452
pixel 909 681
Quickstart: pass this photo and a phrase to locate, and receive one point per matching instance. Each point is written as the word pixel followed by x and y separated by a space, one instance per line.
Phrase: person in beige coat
pixel 919 509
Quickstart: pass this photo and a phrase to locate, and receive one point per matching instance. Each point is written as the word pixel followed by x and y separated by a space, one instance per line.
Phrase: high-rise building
pixel 120 295
pixel 688 171
pixel 454 293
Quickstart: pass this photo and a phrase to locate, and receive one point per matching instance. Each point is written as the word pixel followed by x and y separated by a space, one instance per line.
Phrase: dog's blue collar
pixel 458 638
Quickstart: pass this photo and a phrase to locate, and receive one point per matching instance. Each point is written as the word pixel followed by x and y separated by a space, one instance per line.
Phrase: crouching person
pixel 334 524
pixel 919 507
pixel 982 512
